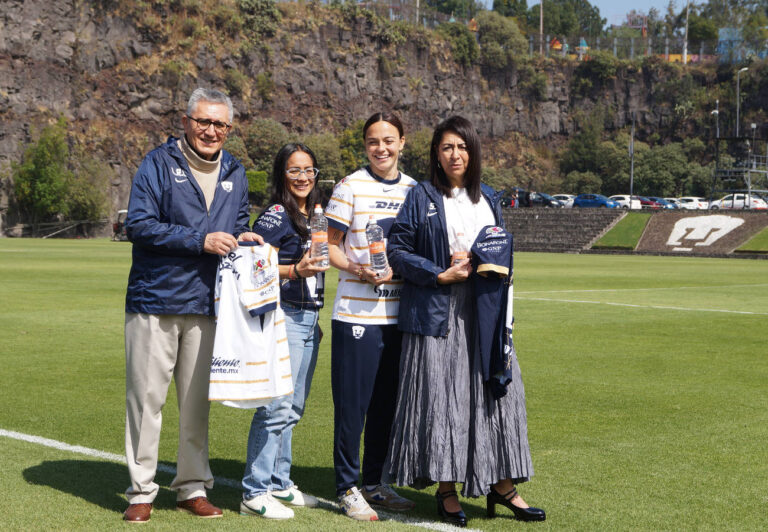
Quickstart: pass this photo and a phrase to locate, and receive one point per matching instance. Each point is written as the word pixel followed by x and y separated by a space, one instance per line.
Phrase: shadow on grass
pixel 100 483
pixel 103 484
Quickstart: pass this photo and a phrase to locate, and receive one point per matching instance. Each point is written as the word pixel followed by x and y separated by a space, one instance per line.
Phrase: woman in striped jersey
pixel 365 347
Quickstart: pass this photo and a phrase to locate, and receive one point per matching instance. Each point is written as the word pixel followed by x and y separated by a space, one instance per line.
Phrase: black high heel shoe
pixel 521 514
pixel 454 518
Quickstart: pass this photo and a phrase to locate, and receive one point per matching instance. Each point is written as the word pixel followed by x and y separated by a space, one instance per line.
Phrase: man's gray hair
pixel 209 95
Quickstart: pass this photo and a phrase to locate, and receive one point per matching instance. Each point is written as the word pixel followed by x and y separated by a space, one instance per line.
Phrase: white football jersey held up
pixel 251 365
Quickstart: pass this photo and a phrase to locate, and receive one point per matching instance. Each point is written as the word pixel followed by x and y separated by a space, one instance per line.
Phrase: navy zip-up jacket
pixel 167 223
pixel 418 250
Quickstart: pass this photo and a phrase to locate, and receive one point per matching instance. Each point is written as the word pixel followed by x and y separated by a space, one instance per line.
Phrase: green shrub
pixel 415 156
pixel 532 82
pixel 327 150
pixel 227 19
pixel 40 181
pixel 261 17
pixel 352 147
pixel 235 145
pixel 190 27
pixel 501 42
pixel 173 71
pixel 462 42
pixel 236 81
pixel 600 67
pixel 258 187
pixel 54 183
pixel 264 86
pixel 263 138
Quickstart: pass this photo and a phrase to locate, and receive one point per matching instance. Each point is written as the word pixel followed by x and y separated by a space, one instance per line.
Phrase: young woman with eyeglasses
pixel 285 225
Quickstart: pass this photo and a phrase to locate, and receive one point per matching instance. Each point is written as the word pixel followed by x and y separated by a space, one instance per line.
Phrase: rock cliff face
pixel 123 88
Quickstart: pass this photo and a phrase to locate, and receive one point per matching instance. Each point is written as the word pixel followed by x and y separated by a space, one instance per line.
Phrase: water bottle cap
pixel 318 208
pixel 370 217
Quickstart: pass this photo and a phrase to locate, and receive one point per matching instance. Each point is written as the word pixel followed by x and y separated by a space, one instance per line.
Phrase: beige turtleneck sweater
pixel 206 173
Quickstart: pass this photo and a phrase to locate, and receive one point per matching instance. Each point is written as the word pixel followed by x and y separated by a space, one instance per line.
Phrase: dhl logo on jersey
pixel 387 205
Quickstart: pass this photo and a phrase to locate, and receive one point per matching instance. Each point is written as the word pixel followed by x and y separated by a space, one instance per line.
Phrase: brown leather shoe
pixel 138 513
pixel 199 506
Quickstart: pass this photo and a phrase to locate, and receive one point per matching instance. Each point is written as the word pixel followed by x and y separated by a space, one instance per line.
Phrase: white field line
pixel 95 453
pixel 640 289
pixel 657 307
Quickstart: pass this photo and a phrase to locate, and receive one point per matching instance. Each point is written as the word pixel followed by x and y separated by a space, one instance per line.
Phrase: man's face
pixel 206 141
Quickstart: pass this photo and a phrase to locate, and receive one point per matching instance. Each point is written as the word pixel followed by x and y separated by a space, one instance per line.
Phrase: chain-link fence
pixel 673 49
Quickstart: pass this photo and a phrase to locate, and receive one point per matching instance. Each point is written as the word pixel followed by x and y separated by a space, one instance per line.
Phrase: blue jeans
pixel 268 464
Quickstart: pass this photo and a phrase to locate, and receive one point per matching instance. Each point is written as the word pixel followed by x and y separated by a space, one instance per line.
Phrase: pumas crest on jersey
pixel 358 331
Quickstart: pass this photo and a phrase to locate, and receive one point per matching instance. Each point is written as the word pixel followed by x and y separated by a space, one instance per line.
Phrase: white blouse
pixel 464 219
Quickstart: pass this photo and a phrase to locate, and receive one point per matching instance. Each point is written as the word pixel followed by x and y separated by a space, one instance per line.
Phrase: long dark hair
pixel 384 116
pixel 463 128
pixel 282 195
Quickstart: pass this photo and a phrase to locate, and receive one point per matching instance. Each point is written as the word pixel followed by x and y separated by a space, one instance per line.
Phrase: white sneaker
pixel 295 497
pixel 354 506
pixel 384 496
pixel 265 505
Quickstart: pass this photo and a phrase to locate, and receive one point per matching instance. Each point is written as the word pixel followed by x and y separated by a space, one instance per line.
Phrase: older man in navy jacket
pixel 188 205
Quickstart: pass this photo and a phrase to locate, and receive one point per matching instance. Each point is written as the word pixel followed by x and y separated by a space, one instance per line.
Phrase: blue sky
pixel 615 10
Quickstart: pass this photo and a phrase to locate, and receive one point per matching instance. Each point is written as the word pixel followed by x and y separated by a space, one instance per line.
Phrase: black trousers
pixel 365 361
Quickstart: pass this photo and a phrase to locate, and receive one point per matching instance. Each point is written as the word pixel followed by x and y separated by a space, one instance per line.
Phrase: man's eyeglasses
pixel 294 173
pixel 204 123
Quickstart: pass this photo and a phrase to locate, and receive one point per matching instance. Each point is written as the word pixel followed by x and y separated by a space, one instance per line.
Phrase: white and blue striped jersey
pixel 355 198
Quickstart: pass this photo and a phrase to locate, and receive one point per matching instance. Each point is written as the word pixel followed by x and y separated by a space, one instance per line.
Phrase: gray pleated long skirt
pixel 447 425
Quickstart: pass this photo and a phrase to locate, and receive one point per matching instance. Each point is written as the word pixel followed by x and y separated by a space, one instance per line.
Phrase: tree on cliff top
pixel 568 18
pixel 511 8
pixel 501 41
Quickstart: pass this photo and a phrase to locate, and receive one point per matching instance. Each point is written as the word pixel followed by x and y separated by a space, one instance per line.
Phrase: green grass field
pixel 646 381
pixel 757 244
pixel 625 234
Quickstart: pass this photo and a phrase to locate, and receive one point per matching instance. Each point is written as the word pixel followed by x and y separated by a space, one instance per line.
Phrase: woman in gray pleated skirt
pixel 451 424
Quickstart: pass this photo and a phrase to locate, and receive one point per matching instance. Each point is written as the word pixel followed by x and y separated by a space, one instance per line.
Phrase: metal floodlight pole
pixel 541 27
pixel 738 97
pixel 685 40
pixel 632 161
pixel 752 152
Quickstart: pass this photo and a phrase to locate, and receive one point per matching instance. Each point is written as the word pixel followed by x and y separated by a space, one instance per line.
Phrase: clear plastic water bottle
pixel 461 249
pixel 319 226
pixel 376 248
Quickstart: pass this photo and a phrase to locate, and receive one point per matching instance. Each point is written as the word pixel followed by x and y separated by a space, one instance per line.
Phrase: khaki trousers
pixel 156 349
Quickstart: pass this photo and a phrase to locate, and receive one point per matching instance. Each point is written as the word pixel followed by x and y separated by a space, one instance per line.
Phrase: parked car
pixel 693 202
pixel 594 200
pixel 540 199
pixel 565 199
pixel 664 203
pixel 675 202
pixel 649 203
pixel 624 201
pixel 739 201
